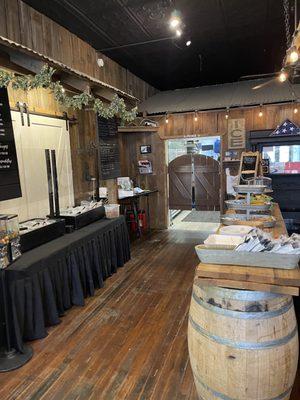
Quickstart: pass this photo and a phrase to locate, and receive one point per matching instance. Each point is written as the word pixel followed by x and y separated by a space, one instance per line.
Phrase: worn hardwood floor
pixel 128 342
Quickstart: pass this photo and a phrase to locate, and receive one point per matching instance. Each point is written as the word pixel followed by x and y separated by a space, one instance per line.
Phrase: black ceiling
pixel 230 38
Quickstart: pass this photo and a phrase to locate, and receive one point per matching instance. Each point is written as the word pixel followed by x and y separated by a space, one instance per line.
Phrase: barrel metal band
pixel 243 314
pixel 244 345
pixel 233 294
pixel 224 397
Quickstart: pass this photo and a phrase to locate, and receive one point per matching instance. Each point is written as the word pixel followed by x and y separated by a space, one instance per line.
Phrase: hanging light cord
pixel 286 7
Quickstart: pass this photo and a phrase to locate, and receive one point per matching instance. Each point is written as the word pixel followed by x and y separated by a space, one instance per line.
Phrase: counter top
pixel 254 278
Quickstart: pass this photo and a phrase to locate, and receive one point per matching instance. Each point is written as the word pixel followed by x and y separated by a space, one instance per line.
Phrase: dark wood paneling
pixel 28 27
pixel 130 155
pixel 183 125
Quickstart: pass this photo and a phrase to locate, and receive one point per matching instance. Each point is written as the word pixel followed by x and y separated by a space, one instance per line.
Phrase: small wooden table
pixel 133 201
pixel 273 280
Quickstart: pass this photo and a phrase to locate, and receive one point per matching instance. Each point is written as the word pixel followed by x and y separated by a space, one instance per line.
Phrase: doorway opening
pixel 194 183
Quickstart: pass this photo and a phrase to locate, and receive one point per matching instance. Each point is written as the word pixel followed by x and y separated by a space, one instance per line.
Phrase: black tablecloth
pixel 48 280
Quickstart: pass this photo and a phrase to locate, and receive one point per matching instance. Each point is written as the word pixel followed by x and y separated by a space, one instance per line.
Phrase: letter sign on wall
pixel 236 134
pixel 9 173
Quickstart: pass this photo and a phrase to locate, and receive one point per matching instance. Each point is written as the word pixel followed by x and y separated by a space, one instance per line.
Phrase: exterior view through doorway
pixel 194 183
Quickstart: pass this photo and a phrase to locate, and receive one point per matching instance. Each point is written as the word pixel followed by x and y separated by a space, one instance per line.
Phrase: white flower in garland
pixel 43 79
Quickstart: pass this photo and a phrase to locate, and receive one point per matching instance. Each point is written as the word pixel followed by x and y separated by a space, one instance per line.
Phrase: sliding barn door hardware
pixel 20 109
pixel 66 119
pixel 26 108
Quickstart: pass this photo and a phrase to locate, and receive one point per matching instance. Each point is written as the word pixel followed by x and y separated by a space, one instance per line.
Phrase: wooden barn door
pixel 207 182
pixel 180 183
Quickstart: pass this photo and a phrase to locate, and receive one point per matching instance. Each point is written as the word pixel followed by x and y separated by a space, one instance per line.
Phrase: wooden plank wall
pixel 130 155
pixel 22 24
pixel 183 125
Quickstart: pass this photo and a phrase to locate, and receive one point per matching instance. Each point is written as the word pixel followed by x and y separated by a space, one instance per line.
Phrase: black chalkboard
pixel 10 187
pixel 249 163
pixel 109 152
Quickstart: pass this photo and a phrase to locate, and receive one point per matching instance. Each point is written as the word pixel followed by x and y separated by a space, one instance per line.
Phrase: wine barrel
pixel 243 345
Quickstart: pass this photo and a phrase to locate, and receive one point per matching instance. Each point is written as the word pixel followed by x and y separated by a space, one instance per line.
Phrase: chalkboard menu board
pixel 249 163
pixel 10 187
pixel 109 153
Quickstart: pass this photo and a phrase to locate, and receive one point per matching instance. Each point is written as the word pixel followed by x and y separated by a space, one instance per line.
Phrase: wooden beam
pixel 137 129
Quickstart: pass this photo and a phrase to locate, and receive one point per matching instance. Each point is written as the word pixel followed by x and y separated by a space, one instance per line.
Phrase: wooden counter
pixel 254 278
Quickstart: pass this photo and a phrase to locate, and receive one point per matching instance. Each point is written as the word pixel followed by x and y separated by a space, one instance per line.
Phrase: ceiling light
pixel 167 119
pixel 196 117
pixel 283 76
pixel 260 114
pixel 174 22
pixel 293 55
pixel 178 32
pixel 188 43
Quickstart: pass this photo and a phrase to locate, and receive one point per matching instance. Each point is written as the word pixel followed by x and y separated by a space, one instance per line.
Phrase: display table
pixel 50 279
pixel 253 278
pixel 242 330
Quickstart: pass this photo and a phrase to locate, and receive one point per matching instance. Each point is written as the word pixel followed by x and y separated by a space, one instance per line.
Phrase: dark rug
pixel 202 216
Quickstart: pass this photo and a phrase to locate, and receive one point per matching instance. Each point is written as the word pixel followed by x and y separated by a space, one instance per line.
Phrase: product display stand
pixel 10 359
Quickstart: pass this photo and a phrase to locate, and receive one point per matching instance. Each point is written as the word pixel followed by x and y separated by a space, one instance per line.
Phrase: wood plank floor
pixel 128 342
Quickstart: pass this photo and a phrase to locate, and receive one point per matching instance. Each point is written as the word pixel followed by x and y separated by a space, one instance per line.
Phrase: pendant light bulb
pixel 196 117
pixel 295 110
pixel 178 32
pixel 283 76
pixel 260 114
pixel 167 119
pixel 227 113
pixel 188 43
pixel 294 56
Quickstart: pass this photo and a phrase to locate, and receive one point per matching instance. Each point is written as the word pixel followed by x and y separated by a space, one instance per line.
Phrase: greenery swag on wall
pixel 43 79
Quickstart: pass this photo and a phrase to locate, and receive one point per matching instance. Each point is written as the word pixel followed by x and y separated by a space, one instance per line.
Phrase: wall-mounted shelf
pixel 137 129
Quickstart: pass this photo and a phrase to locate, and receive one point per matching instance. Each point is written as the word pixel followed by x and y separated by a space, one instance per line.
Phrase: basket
pixel 112 210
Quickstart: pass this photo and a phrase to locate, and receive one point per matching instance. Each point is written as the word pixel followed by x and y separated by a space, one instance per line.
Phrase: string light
pixel 227 113
pixel 260 114
pixel 283 76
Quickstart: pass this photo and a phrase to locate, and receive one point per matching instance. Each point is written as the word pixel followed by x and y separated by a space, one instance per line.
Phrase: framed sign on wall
pixel 236 133
pixel 10 187
pixel 145 149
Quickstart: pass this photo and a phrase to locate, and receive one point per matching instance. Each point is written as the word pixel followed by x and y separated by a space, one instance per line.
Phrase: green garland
pixel 43 79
